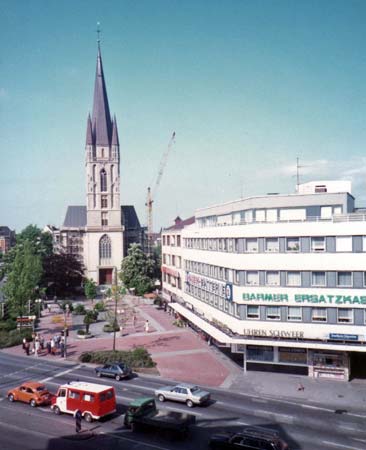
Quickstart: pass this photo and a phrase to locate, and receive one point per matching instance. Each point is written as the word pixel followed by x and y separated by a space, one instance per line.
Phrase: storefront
pixel 328 364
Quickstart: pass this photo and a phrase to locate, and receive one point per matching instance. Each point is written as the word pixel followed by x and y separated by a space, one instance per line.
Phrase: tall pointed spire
pixel 115 140
pixel 89 132
pixel 101 120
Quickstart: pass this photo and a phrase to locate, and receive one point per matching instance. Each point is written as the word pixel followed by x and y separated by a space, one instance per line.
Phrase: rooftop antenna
pixel 298 167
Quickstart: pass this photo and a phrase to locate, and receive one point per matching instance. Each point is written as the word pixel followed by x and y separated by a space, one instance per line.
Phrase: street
pixel 301 424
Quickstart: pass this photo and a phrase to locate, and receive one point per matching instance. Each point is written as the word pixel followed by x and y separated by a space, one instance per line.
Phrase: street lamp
pixel 38 301
pixel 66 311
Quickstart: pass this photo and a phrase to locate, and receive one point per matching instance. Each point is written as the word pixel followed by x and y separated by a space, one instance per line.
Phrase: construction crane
pixel 151 193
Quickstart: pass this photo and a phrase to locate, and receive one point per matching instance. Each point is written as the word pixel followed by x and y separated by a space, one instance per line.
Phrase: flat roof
pixel 89 387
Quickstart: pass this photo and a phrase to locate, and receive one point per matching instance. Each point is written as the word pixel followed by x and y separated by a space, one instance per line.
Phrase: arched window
pixel 103 181
pixel 93 172
pixel 105 247
pixel 112 174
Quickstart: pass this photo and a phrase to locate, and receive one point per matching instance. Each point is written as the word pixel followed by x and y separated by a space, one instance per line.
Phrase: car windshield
pixel 40 388
pixel 195 389
pixel 121 366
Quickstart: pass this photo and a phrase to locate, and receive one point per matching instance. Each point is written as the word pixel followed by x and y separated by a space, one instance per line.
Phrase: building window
pixel 344 279
pixel 103 181
pixel 318 244
pixel 343 243
pixel 252 312
pixel 345 315
pixel 104 219
pixel 293 278
pixel 251 245
pixel 364 278
pixel 294 314
pixel 260 215
pixel 273 313
pixel 252 277
pixel 178 241
pixel 319 314
pixel 273 278
pixel 364 243
pixel 104 201
pixel 259 353
pixel 326 212
pixel 318 278
pixel 293 244
pixel 105 247
pixel 272 245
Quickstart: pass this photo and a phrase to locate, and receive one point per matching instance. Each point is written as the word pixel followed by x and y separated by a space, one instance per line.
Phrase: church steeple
pixel 89 132
pixel 115 140
pixel 101 119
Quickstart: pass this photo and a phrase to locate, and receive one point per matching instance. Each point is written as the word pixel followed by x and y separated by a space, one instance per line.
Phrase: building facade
pixel 99 233
pixel 279 279
pixel 7 239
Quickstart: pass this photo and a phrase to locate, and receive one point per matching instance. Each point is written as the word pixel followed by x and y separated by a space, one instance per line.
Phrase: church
pixel 100 232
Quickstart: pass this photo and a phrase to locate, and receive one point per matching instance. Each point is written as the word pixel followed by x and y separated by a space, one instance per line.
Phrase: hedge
pixel 14 337
pixel 137 358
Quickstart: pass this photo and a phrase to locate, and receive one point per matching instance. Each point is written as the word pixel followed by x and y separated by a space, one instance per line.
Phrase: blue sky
pixel 247 85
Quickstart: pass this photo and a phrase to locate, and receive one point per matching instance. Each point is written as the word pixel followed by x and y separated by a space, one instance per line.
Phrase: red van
pixel 93 400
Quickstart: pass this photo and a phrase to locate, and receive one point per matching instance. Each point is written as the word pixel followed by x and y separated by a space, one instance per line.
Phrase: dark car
pixel 252 438
pixel 114 370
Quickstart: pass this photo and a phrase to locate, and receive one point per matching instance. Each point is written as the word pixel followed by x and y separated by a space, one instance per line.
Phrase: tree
pixel 23 278
pixel 89 318
pixel 137 270
pixel 90 289
pixel 42 241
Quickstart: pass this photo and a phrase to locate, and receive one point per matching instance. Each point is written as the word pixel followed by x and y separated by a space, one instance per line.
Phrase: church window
pixel 102 152
pixel 94 172
pixel 104 201
pixel 112 190
pixel 103 181
pixel 104 219
pixel 112 174
pixel 105 247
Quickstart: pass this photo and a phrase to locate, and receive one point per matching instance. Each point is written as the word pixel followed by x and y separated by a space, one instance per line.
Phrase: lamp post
pixel 66 311
pixel 38 301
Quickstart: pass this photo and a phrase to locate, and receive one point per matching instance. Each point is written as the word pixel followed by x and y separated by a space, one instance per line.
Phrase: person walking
pixel 53 346
pixel 147 326
pixel 27 348
pixel 78 421
pixel 134 320
pixel 48 345
pixel 36 347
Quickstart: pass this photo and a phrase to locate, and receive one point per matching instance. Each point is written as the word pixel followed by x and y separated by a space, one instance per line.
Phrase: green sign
pixel 327 299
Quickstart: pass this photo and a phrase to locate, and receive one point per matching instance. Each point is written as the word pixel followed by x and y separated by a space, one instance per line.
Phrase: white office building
pixel 280 280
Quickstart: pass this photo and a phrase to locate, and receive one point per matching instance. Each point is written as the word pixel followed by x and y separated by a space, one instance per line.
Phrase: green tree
pixel 23 278
pixel 89 318
pixel 42 241
pixel 137 270
pixel 90 289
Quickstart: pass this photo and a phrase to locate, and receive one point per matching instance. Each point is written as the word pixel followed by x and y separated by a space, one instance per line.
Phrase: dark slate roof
pixel 101 120
pixel 179 223
pixel 75 217
pixel 89 132
pixel 129 217
pixel 115 140
pixel 5 231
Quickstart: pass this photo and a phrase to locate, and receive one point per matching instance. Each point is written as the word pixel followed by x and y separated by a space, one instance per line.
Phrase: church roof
pixel 115 140
pixel 89 132
pixel 76 217
pixel 101 119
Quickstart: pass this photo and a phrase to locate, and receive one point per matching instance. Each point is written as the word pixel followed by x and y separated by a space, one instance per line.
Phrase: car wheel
pixel 161 398
pixel 118 377
pixel 88 417
pixel 189 403
pixel 33 403
pixel 11 398
pixel 56 410
pixel 99 374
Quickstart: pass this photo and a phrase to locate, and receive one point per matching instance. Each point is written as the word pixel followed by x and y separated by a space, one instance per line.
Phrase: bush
pixel 81 332
pixel 99 306
pixel 109 328
pixel 14 337
pixel 79 310
pixel 7 325
pixel 137 358
pixel 67 302
pixel 178 323
pixel 158 301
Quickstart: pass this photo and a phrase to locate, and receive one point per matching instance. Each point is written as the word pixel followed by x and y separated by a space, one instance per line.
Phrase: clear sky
pixel 247 85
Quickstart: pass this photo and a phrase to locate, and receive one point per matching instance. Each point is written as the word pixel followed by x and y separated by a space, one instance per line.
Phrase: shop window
pixel 294 313
pixel 273 278
pixel 259 353
pixel 293 244
pixel 273 313
pixel 293 278
pixel 344 279
pixel 318 278
pixel 319 314
pixel 318 244
pixel 251 245
pixel 252 312
pixel 292 355
pixel 252 277
pixel 272 245
pixel 345 315
pixel 343 243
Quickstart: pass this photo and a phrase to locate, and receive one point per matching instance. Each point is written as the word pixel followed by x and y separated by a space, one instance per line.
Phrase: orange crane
pixel 151 193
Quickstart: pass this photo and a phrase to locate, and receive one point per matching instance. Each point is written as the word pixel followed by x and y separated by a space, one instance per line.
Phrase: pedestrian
pixel 147 326
pixel 24 341
pixel 49 308
pixel 41 342
pixel 48 347
pixel 134 320
pixel 62 347
pixel 27 345
pixel 58 340
pixel 36 347
pixel 78 421
pixel 300 387
pixel 53 346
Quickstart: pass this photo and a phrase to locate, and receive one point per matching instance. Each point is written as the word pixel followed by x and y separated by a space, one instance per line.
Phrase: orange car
pixel 30 392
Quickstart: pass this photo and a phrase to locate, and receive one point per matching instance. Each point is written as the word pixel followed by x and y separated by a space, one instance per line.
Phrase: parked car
pixel 252 438
pixel 92 400
pixel 114 370
pixel 30 392
pixel 186 393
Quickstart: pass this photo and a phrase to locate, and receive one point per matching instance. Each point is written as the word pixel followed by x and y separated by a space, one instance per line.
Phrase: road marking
pixel 347 428
pixel 334 444
pixel 359 440
pixel 59 374
pixel 318 408
pixel 259 400
pixel 242 423
pixel 135 441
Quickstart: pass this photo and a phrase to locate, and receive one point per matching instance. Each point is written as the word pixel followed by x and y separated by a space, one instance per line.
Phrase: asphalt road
pixel 302 425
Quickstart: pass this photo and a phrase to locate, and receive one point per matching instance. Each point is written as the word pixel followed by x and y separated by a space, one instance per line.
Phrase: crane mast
pixel 151 193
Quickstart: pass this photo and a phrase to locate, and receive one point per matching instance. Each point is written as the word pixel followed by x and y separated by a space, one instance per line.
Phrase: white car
pixel 185 393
